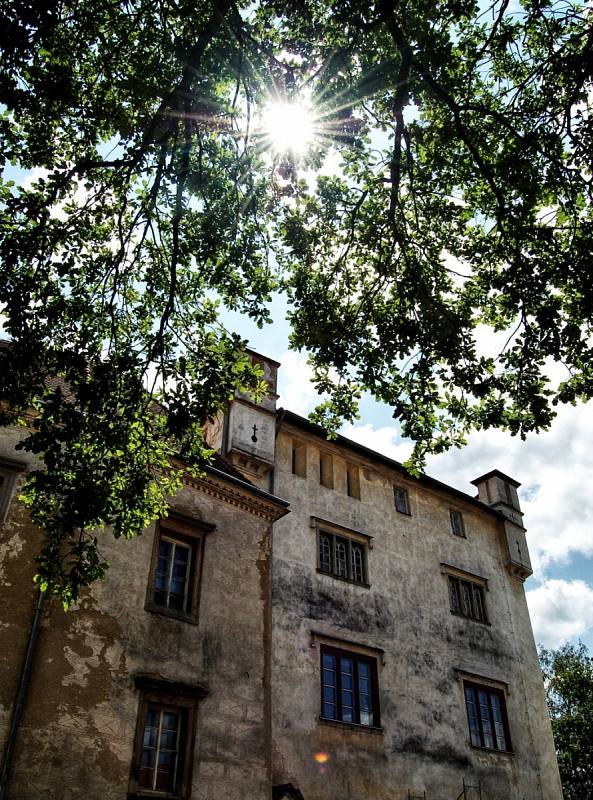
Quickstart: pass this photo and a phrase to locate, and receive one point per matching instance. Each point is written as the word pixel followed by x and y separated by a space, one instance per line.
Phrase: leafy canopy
pixel 462 204
pixel 568 674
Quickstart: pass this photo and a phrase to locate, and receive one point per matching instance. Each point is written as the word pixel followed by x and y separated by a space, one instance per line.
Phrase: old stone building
pixel 372 643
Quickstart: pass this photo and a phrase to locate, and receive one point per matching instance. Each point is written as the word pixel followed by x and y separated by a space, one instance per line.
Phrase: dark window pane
pixel 454 595
pixel 479 604
pixel 329 694
pixel 466 601
pixel 457 523
pixel 341 562
pixel 329 677
pixel 329 661
pixel 325 561
pixel 400 497
pixel 329 710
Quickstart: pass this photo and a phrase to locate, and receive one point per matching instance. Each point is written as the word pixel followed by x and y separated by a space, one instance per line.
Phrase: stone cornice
pixel 236 496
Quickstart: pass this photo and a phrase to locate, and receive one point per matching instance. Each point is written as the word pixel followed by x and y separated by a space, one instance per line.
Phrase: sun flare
pixel 288 127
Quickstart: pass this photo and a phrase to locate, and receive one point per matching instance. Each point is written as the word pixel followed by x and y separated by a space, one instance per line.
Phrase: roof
pixel 221 468
pixel 285 416
pixel 496 473
pixel 222 465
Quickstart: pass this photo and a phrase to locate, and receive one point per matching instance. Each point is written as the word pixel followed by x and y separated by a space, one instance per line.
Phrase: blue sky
pixel 553 468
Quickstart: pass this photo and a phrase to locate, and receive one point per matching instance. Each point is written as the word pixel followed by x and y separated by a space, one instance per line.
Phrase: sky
pixel 553 468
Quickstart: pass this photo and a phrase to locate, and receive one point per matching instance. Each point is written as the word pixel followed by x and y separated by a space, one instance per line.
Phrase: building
pixel 372 643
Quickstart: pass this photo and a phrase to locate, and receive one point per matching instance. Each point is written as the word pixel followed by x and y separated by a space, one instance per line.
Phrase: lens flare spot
pixel 321 758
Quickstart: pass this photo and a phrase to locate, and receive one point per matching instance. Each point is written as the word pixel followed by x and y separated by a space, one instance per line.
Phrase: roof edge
pixel 495 473
pixel 286 416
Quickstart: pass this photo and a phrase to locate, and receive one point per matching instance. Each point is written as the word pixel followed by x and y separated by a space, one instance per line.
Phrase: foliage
pixel 568 674
pixel 462 205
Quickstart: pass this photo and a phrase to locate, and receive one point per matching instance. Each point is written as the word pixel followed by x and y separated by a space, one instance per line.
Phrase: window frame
pixel 177 698
pixel 350 537
pixel 397 488
pixel 456 513
pixel 357 658
pixel 458 582
pixel 190 534
pixel 491 691
pixel 9 471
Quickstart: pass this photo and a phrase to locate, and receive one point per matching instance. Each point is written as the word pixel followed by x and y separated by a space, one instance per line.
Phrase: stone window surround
pixel 363 539
pixel 455 572
pixel 457 514
pixel 160 692
pixel 192 533
pixel 406 495
pixel 492 687
pixel 320 640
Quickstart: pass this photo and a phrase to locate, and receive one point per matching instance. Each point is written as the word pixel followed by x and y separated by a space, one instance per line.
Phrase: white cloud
pixel 296 391
pixel 560 611
pixel 386 440
pixel 554 468
pixel 33 176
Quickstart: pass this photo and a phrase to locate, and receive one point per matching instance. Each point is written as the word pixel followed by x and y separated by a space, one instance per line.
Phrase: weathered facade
pixel 437 615
pixel 372 643
pixel 202 668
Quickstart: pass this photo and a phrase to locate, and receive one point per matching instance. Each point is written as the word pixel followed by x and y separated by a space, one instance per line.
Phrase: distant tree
pixel 568 676
pixel 462 206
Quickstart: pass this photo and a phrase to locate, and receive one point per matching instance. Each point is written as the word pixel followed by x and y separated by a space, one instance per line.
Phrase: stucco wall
pixel 424 744
pixel 77 735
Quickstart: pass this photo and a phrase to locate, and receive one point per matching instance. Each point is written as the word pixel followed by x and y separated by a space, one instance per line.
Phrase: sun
pixel 288 127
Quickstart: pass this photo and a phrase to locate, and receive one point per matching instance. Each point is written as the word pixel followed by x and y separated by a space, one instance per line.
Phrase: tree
pixel 462 203
pixel 568 675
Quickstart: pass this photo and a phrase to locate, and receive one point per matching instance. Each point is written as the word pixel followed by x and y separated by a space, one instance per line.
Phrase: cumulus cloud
pixel 560 611
pixel 386 440
pixel 296 391
pixel 553 467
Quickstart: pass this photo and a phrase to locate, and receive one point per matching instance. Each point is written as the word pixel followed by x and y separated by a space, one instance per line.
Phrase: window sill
pixel 491 750
pixel 353 726
pixel 403 513
pixel 471 619
pixel 181 616
pixel 344 580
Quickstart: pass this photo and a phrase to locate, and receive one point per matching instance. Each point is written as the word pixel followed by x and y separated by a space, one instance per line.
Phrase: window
pixel 353 481
pixel 161 765
pixel 342 557
pixel 349 688
pixel 299 459
pixel 457 524
pixel 487 718
pixel 8 474
pixel 401 500
pixel 326 470
pixel 467 598
pixel 176 566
